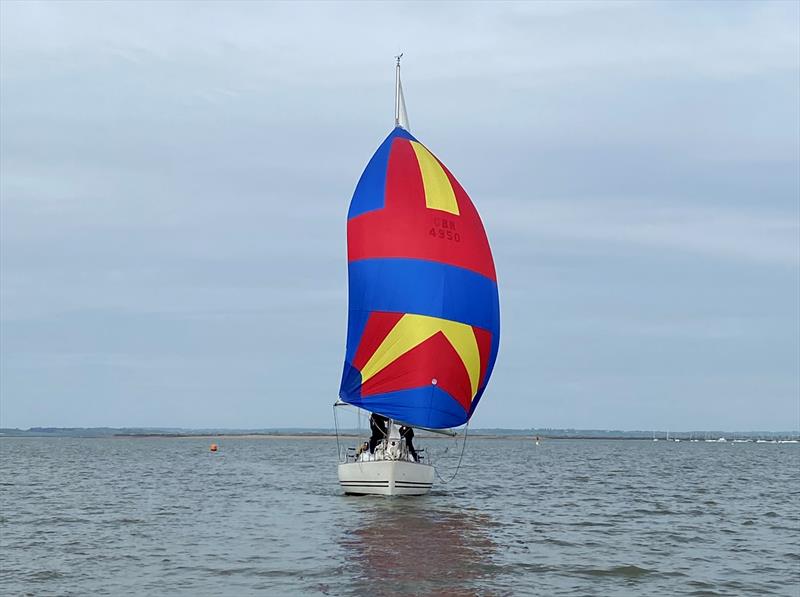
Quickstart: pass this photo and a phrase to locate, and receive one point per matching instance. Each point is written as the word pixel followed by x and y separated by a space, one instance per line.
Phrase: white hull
pixel 386 477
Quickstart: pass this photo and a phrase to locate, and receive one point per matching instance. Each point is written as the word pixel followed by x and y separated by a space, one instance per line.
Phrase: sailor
pixel 408 434
pixel 378 426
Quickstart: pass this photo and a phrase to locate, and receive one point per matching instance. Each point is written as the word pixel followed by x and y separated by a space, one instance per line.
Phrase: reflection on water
pixel 404 546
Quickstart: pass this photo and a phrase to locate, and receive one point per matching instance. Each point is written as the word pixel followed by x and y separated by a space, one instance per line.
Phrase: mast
pixel 397 91
pixel 400 115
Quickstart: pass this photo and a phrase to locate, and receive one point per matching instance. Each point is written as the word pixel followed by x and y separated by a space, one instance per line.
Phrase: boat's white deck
pixel 380 455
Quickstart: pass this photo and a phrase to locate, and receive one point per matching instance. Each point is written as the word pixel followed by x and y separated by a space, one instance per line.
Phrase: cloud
pixel 668 225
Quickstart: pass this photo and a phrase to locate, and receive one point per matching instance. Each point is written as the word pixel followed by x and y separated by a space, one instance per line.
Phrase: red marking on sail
pixel 484 341
pixel 433 359
pixel 406 227
pixel 379 324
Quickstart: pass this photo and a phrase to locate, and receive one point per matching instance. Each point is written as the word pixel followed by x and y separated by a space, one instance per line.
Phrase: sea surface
pixel 266 516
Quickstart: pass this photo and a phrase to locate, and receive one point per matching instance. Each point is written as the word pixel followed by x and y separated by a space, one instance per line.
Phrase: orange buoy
pixel 214 447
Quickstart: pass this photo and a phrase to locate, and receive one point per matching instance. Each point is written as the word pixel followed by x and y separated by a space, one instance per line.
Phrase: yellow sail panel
pixel 412 330
pixel 438 190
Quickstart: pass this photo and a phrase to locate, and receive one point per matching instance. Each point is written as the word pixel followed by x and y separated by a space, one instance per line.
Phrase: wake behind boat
pixel 424 317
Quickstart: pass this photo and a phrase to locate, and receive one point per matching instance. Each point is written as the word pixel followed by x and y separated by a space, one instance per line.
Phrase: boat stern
pixel 385 477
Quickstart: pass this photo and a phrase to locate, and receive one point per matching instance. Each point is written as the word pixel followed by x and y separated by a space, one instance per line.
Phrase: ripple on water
pixel 625 571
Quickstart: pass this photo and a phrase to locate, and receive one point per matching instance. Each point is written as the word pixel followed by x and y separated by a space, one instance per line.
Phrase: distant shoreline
pixel 322 435
pixel 486 433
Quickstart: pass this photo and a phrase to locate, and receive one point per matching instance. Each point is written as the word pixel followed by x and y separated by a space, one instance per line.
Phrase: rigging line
pixel 458 466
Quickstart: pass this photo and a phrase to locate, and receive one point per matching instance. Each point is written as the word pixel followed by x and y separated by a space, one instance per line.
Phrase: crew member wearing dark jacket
pixel 379 428
pixel 408 434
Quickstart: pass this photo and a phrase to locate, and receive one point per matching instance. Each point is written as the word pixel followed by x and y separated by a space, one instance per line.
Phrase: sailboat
pixel 424 316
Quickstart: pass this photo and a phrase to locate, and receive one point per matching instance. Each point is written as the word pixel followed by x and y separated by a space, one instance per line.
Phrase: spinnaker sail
pixel 424 317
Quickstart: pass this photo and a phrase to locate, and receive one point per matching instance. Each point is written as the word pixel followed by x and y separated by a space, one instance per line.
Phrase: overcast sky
pixel 175 182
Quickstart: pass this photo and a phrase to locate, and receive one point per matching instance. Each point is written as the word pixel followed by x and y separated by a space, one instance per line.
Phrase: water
pixel 166 517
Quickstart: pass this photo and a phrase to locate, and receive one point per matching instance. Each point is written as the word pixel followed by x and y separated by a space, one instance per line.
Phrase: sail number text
pixel 445 229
